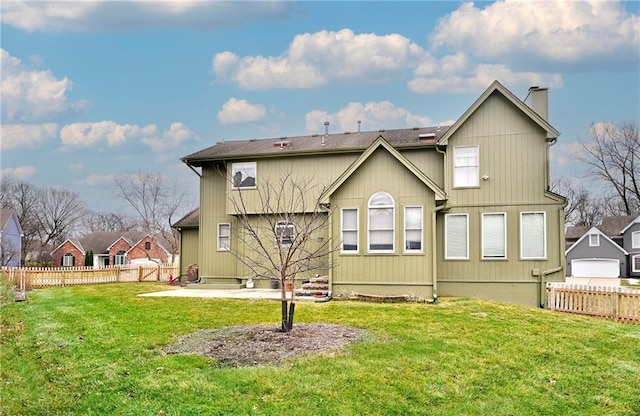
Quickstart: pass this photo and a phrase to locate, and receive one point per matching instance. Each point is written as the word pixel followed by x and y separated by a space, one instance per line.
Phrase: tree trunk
pixel 285 318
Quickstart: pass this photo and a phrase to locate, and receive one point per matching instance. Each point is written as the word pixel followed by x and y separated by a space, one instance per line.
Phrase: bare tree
pixel 582 208
pixel 22 197
pixel 279 231
pixel 109 221
pixel 157 201
pixel 60 212
pixel 613 158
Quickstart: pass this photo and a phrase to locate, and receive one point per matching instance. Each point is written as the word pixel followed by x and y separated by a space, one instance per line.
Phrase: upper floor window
pixel 224 237
pixel 68 260
pixel 456 236
pixel 494 235
pixel 466 166
pixel 533 235
pixel 243 175
pixel 285 233
pixel 381 223
pixel 413 229
pixel 120 258
pixel 349 230
pixel 594 240
pixel 635 239
pixel 147 245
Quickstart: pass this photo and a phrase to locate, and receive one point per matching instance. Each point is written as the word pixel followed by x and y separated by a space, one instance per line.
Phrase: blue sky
pixel 95 89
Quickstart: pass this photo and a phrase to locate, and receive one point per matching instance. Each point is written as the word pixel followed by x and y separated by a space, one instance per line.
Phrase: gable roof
pixel 191 220
pixel 594 230
pixel 380 142
pixel 5 214
pixel 160 241
pixel 315 144
pixel 552 133
pixel 635 220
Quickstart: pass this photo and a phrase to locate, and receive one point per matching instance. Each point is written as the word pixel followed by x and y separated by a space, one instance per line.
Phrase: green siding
pixel 430 162
pixel 189 242
pixel 383 273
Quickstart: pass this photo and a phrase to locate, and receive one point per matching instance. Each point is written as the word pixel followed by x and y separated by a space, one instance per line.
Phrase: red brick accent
pixel 67 247
pixel 121 245
pixel 155 252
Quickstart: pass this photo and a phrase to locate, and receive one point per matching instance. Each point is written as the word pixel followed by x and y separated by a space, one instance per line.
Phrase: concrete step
pixel 315 286
pixel 322 279
pixel 316 293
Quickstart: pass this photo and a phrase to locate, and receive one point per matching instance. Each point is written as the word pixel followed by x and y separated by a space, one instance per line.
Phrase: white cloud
pixel 373 115
pixel 170 139
pixel 236 111
pixel 26 135
pixel 76 166
pixel 88 134
pixel 33 95
pixel 479 78
pixel 314 59
pixel 95 179
pixel 21 172
pixel 89 16
pixel 558 32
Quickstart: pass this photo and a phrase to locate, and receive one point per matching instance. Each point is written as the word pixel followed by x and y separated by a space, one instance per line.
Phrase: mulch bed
pixel 253 345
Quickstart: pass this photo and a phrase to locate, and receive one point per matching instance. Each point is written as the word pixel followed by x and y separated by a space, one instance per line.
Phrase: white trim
pixel 595 243
pixel 476 181
pixel 633 263
pixel 632 239
pixel 635 221
pixel 421 229
pixel 241 165
pixel 446 234
pixel 544 237
pixel 592 231
pixel 601 260
pixel 220 247
pixel 68 256
pixel 357 230
pixel 504 237
pixel 392 207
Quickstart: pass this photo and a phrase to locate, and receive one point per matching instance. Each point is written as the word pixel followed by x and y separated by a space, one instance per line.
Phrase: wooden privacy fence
pixel 616 303
pixel 34 277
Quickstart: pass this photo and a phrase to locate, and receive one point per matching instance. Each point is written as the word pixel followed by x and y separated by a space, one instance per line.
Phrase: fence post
pixel 139 273
pixel 158 273
pixel 615 303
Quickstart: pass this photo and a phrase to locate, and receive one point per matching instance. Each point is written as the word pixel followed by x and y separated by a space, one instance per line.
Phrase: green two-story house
pixel 463 210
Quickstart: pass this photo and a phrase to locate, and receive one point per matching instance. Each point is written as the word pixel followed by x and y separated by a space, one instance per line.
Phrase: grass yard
pixel 96 350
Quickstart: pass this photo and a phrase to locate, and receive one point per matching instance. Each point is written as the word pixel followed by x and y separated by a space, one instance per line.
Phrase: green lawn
pixel 96 350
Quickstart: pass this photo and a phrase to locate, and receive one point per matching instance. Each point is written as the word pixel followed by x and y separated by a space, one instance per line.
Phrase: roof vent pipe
pixel 359 124
pixel 326 131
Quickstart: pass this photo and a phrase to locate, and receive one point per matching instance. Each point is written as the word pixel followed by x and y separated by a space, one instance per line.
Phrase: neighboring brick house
pixel 112 248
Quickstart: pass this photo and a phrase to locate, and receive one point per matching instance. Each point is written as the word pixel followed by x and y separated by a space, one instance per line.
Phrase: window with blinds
pixel 349 230
pixel 466 166
pixel 456 236
pixel 413 229
pixel 381 223
pixel 533 235
pixel 494 235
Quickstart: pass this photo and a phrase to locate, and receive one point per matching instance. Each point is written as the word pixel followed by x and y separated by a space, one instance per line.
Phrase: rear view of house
pixel 435 211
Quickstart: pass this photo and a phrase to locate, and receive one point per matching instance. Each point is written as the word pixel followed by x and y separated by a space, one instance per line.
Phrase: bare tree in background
pixel 157 201
pixel 582 208
pixel 60 213
pixel 109 221
pixel 613 158
pixel 279 233
pixel 22 197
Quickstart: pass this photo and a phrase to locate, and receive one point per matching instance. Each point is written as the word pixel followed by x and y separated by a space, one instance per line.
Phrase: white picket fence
pixel 616 303
pixel 35 277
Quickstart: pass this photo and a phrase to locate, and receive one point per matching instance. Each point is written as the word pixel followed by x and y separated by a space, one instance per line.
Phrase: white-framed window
pixel 285 233
pixel 594 240
pixel 224 236
pixel 635 239
pixel 466 166
pixel 381 223
pixel 456 236
pixel 349 225
pixel 120 258
pixel 413 229
pixel 494 235
pixel 68 260
pixel 635 264
pixel 243 175
pixel 533 235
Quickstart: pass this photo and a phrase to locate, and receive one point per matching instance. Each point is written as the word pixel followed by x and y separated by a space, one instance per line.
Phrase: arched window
pixel 68 260
pixel 120 259
pixel 381 223
pixel 147 245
